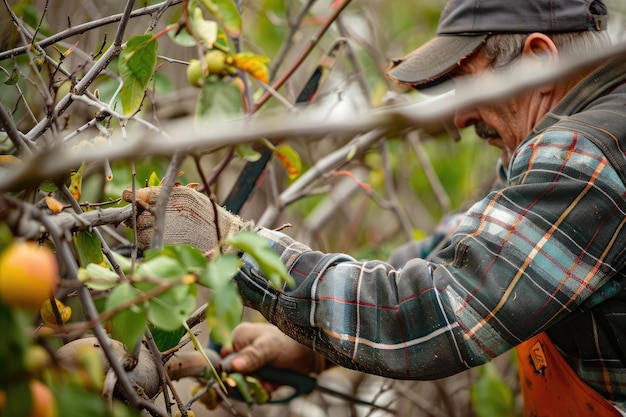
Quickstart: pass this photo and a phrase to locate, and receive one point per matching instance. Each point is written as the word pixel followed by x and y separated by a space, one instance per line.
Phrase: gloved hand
pixel 189 219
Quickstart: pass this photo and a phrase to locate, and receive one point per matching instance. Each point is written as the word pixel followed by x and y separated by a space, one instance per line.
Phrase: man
pixel 538 263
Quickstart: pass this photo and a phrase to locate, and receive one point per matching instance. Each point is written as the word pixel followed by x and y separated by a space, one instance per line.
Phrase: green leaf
pixel 168 311
pixel 218 98
pixel 123 262
pixel 226 12
pixel 154 180
pixel 189 256
pixel 260 394
pixel 224 312
pixel 220 271
pixel 490 395
pixel 13 79
pixel 18 398
pixel 206 30
pixel 166 339
pixel 247 153
pixel 160 267
pixel 98 277
pixel 128 325
pixel 181 37
pixel 268 260
pixel 136 65
pixel 88 247
pixel 14 341
pixel 240 383
pixel 48 186
pixel 74 400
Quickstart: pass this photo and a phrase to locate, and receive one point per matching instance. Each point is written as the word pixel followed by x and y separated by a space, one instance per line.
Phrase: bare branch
pixel 85 27
pixel 8 125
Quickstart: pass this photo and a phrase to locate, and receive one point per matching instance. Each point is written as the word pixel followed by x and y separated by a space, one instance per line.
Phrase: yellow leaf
pixel 47 315
pixel 290 160
pixel 253 65
pixel 9 159
pixel 76 182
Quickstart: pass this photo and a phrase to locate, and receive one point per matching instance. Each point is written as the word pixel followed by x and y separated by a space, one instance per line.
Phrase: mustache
pixel 485 131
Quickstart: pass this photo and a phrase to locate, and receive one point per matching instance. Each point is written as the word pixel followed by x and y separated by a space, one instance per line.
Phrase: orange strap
pixel 550 388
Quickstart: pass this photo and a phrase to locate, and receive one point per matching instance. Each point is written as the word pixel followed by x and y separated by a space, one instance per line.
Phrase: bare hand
pixel 260 344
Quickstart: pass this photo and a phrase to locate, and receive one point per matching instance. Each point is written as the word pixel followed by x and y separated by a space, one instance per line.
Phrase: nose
pixel 466 118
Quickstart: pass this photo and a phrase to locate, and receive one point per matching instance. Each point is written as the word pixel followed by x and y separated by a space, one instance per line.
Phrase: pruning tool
pixel 252 171
pixel 301 385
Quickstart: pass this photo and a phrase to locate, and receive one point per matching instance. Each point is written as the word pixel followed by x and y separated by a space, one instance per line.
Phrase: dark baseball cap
pixel 464 26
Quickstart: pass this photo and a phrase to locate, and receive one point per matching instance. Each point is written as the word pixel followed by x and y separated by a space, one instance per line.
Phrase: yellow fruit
pixel 190 413
pixel 29 274
pixel 43 403
pixel 47 314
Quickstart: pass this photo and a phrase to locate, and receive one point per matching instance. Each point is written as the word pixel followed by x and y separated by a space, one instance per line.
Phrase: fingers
pixel 260 344
pixel 147 195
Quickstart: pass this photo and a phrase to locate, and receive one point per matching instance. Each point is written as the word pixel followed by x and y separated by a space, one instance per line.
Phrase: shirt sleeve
pixel 522 259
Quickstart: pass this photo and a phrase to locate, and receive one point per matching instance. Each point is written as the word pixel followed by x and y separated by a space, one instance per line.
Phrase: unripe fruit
pixel 29 274
pixel 43 403
pixel 100 142
pixel 194 73
pixel 215 62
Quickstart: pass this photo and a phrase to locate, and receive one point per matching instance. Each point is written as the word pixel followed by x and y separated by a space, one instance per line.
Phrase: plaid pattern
pixel 544 252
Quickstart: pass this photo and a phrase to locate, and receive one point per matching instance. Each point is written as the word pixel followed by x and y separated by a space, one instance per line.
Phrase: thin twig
pixel 85 27
pixel 158 363
pixel 166 188
pixel 428 169
pixel 8 125
pixel 392 196
pixel 294 27
pixel 302 56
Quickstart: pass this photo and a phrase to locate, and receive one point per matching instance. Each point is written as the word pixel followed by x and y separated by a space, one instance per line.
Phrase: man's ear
pixel 540 51
pixel 540 47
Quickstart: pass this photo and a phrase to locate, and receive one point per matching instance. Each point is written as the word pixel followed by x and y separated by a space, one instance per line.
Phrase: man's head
pixel 465 25
pixel 478 37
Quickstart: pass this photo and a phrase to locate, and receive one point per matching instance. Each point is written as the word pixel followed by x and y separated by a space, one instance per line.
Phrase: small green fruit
pixel 215 62
pixel 194 73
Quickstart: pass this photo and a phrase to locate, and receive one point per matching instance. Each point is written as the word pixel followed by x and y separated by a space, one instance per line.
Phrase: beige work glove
pixel 189 219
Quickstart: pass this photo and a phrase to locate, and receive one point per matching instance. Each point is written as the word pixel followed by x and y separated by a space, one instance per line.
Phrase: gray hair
pixel 502 49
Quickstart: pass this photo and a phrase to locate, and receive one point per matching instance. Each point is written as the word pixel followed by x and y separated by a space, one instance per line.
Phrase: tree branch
pixel 85 27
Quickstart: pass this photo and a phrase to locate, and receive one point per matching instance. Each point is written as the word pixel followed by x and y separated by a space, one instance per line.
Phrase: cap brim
pixel 432 63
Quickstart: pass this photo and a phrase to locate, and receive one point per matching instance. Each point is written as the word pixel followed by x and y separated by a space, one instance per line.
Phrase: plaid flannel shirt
pixel 544 252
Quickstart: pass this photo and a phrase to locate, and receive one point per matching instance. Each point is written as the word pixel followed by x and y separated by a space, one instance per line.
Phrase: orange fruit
pixel 43 403
pixel 29 274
